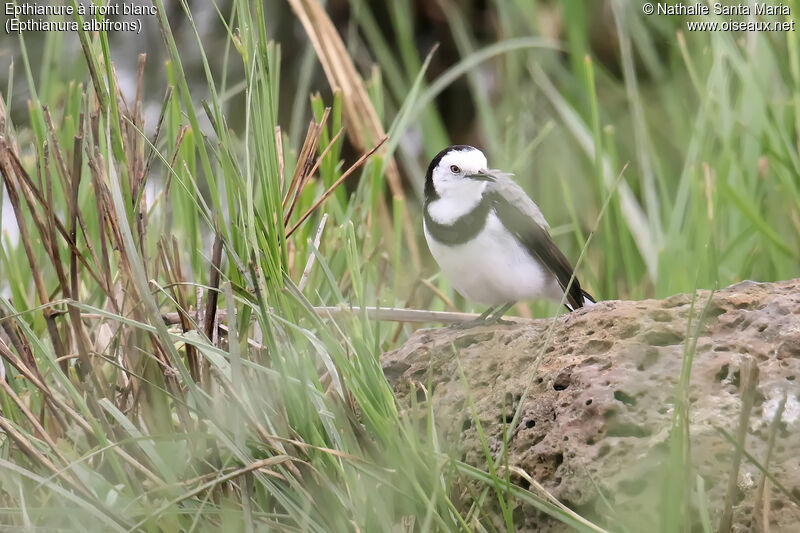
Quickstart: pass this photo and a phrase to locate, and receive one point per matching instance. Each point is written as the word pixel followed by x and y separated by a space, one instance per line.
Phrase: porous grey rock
pixel 595 426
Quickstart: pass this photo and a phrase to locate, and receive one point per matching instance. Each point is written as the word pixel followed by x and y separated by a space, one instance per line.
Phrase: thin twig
pixel 774 480
pixel 279 151
pixel 383 314
pixel 360 115
pixel 749 376
pixel 26 446
pixel 211 302
pixel 152 155
pixel 178 142
pixel 9 174
pixel 257 465
pixel 31 193
pixel 442 296
pixel 312 256
pixel 81 339
pixel 761 507
pixel 335 185
pixel 304 162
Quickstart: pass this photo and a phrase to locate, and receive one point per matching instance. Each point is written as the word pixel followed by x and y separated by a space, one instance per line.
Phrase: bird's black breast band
pixel 463 229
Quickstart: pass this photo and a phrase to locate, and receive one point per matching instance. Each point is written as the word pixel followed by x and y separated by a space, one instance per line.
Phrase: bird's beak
pixel 482 175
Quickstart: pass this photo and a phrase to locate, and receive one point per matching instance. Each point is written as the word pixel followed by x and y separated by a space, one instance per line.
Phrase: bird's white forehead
pixel 468 160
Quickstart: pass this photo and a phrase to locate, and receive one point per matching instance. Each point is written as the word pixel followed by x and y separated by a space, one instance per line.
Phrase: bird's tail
pixel 588 300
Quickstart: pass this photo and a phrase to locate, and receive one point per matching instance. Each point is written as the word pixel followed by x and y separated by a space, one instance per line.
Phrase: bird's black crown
pixel 430 190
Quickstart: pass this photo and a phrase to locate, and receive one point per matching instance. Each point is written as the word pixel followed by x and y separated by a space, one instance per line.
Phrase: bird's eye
pixel 454 169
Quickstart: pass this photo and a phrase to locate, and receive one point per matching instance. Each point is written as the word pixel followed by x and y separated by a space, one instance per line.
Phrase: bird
pixel 491 239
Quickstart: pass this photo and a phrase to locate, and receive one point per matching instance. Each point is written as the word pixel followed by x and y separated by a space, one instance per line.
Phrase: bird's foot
pixel 480 321
pixel 497 316
pixel 470 324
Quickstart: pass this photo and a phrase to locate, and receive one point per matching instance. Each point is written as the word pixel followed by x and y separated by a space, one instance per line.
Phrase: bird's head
pixel 457 171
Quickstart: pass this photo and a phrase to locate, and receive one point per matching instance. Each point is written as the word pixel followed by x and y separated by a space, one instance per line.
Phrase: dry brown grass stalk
pixel 209 314
pixel 333 187
pixel 10 178
pixel 762 505
pixel 749 383
pixel 30 450
pixel 363 124
pixel 305 165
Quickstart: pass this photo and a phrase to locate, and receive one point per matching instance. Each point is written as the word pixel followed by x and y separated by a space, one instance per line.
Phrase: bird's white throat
pixel 456 200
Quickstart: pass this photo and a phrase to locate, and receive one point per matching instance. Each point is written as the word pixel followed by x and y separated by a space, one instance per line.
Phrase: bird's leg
pixel 486 314
pixel 493 315
pixel 477 321
pixel 497 317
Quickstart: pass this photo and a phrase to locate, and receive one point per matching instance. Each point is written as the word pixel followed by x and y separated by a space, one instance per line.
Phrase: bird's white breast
pixel 494 268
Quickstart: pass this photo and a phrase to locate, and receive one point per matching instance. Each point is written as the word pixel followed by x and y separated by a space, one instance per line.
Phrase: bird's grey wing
pixel 536 239
pixel 516 196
